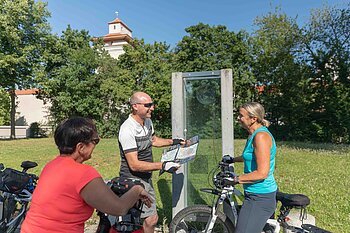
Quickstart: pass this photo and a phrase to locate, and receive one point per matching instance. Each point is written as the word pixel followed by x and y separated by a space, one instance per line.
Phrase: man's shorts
pixel 153 209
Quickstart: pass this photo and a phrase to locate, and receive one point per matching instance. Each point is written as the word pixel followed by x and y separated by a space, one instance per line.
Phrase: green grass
pixel 320 171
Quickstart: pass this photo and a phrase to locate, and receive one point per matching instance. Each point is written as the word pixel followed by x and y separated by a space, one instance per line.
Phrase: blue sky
pixel 166 20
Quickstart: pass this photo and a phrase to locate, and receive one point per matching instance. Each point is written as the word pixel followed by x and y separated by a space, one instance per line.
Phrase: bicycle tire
pixel 195 218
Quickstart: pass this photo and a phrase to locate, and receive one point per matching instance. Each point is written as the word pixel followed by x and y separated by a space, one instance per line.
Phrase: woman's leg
pixel 255 211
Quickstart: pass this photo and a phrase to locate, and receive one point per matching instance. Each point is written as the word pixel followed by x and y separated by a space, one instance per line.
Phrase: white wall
pixel 116 49
pixel 32 109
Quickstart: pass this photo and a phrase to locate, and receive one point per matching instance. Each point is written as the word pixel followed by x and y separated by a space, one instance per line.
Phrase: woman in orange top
pixel 68 190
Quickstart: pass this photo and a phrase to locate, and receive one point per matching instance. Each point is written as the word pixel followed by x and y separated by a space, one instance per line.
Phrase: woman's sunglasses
pixel 95 141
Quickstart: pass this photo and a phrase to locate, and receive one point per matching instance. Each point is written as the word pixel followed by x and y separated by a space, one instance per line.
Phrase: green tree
pixel 70 82
pixel 208 48
pixel 4 107
pixel 116 87
pixel 281 79
pixel 327 53
pixel 23 28
pixel 144 67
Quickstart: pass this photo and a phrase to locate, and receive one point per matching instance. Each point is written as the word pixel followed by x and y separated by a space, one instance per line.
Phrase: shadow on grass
pixel 339 148
pixel 166 198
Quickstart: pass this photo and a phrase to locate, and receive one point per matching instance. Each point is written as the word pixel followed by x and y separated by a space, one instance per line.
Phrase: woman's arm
pixel 238 159
pixel 262 146
pixel 98 195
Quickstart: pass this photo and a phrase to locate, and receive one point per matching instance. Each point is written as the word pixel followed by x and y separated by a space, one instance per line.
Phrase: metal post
pixel 179 184
pixel 227 112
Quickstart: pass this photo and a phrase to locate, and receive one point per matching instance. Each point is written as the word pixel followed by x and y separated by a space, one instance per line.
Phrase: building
pixel 119 35
pixel 31 109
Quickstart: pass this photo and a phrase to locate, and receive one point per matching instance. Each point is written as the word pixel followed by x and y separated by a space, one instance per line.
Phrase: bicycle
pixel 221 217
pixel 129 223
pixel 16 188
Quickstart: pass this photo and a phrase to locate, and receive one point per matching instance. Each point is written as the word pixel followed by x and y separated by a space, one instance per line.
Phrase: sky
pixel 166 20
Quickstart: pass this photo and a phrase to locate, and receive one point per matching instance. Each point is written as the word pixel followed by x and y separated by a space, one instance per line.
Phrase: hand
pixel 169 166
pixel 231 180
pixel 146 198
pixel 228 159
pixel 177 141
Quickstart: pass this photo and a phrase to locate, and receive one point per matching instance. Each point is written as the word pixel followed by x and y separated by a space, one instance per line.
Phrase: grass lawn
pixel 320 171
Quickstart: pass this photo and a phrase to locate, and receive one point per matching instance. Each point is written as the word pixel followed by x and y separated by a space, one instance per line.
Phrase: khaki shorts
pixel 153 209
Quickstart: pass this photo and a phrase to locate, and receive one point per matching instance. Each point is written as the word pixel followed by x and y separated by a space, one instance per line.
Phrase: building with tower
pixel 119 34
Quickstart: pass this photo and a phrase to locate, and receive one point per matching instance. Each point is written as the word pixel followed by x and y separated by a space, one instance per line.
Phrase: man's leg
pixel 149 215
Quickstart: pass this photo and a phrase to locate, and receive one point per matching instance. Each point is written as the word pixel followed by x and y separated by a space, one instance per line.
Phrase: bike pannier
pixel 13 181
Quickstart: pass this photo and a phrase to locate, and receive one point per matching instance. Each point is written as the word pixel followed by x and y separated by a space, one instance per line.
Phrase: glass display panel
pixel 202 107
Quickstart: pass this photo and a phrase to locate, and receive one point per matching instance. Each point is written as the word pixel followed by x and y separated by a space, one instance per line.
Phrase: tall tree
pixel 23 28
pixel 208 48
pixel 281 82
pixel 70 82
pixel 143 67
pixel 4 107
pixel 327 53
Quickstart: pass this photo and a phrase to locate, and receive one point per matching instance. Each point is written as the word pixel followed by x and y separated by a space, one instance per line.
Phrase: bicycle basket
pixel 13 181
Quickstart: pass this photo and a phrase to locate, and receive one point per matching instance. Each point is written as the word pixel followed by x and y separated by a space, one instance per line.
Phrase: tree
pixel 116 87
pixel 143 67
pixel 23 28
pixel 4 107
pixel 282 85
pixel 208 48
pixel 327 53
pixel 70 82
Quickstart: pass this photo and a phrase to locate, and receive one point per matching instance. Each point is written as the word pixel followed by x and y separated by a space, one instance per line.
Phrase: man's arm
pixel 160 142
pixel 141 166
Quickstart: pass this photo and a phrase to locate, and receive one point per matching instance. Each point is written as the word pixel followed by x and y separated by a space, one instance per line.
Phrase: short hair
pixel 255 109
pixel 72 131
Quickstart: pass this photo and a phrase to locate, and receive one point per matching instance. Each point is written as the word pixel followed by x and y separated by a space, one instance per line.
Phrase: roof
pixel 117 20
pixel 116 36
pixel 27 92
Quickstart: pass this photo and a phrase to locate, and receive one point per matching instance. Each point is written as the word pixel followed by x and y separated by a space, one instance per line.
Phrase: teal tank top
pixel 267 185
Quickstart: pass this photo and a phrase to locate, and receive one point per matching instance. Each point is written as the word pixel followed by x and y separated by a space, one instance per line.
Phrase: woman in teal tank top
pixel 259 164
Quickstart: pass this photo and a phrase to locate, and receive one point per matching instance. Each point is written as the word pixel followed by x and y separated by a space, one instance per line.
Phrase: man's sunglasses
pixel 95 141
pixel 147 105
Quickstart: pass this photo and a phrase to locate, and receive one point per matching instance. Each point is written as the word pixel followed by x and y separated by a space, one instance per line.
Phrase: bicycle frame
pixel 22 201
pixel 228 200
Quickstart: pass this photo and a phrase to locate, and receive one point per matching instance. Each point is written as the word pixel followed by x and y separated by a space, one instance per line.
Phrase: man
pixel 136 138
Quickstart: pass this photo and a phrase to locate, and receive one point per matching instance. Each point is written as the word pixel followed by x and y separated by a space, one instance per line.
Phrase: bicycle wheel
pixel 195 218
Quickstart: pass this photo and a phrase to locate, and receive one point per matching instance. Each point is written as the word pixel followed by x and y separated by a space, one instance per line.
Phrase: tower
pixel 119 35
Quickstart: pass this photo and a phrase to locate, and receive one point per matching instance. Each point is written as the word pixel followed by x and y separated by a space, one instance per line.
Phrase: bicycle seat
pixel 28 164
pixel 292 200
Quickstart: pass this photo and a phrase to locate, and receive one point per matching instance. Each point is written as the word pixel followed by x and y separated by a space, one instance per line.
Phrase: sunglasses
pixel 95 141
pixel 147 105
